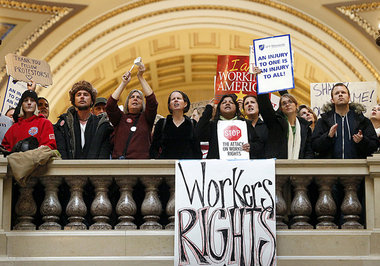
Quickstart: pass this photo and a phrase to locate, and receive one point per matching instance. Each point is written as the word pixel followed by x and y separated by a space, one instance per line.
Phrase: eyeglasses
pixel 284 103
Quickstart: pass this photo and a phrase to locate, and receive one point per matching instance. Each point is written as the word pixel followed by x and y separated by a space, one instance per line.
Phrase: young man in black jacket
pixel 80 134
pixel 343 132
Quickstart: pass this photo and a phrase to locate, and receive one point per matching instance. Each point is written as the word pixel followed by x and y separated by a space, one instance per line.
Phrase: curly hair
pixel 83 85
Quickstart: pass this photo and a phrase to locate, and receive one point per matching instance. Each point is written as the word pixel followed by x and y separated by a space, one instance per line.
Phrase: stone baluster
pixel 151 207
pixel 281 207
pixel 301 206
pixel 51 208
pixel 351 207
pixel 170 207
pixel 101 207
pixel 76 208
pixel 26 207
pixel 325 207
pixel 126 206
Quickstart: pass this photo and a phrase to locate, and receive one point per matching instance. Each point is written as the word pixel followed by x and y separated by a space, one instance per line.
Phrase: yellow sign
pixel 26 69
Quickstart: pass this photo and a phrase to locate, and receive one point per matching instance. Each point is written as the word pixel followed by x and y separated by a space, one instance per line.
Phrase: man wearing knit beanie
pixel 79 133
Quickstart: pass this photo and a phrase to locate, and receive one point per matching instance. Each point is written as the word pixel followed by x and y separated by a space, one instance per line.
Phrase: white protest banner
pixel 273 55
pixel 225 212
pixel 13 94
pixel 360 92
pixel 26 69
pixel 232 134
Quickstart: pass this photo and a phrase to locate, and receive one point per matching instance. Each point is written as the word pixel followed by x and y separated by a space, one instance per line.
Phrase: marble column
pixel 126 206
pixel 151 207
pixel 301 206
pixel 51 208
pixel 26 207
pixel 76 208
pixel 101 207
pixel 351 207
pixel 325 207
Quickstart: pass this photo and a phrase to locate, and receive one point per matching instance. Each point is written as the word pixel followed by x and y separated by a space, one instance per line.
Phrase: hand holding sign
pixel 246 147
pixel 256 70
pixel 31 85
pixel 274 57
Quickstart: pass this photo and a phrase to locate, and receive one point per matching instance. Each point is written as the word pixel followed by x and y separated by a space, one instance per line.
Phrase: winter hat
pixel 18 111
pixel 83 85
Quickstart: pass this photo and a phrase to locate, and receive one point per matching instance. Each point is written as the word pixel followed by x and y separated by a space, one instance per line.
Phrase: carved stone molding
pixel 58 12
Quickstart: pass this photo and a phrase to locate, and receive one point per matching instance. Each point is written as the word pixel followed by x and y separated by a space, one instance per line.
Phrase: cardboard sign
pixel 232 76
pixel 225 212
pixel 361 92
pixel 13 94
pixel 273 55
pixel 232 135
pixel 26 69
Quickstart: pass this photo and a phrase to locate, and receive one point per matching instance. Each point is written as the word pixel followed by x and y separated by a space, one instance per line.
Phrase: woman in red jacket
pixel 30 124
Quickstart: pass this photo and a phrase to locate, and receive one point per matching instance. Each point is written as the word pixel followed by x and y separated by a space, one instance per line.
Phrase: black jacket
pixel 97 136
pixel 262 131
pixel 324 145
pixel 172 142
pixel 207 131
pixel 278 129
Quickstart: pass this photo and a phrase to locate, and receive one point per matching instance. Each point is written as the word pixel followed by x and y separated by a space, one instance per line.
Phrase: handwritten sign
pixel 273 55
pixel 225 212
pixel 26 69
pixel 360 92
pixel 13 94
pixel 231 137
pixel 232 76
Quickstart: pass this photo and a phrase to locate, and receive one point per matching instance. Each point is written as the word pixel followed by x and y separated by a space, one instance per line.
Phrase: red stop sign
pixel 232 133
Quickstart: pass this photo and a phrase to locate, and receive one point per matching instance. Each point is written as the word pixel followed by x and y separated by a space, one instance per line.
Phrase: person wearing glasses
pixel 289 136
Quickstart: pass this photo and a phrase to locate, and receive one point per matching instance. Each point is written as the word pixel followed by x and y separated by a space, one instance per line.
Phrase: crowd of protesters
pixel 96 128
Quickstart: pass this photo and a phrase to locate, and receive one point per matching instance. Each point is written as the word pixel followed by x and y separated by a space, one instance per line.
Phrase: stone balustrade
pixel 310 194
pixel 85 212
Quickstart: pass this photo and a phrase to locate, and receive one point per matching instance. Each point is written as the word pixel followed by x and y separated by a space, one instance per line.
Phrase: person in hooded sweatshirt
pixel 343 132
pixel 29 123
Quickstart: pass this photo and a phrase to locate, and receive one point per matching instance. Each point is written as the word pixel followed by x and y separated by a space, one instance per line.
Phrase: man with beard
pixel 343 132
pixel 79 133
